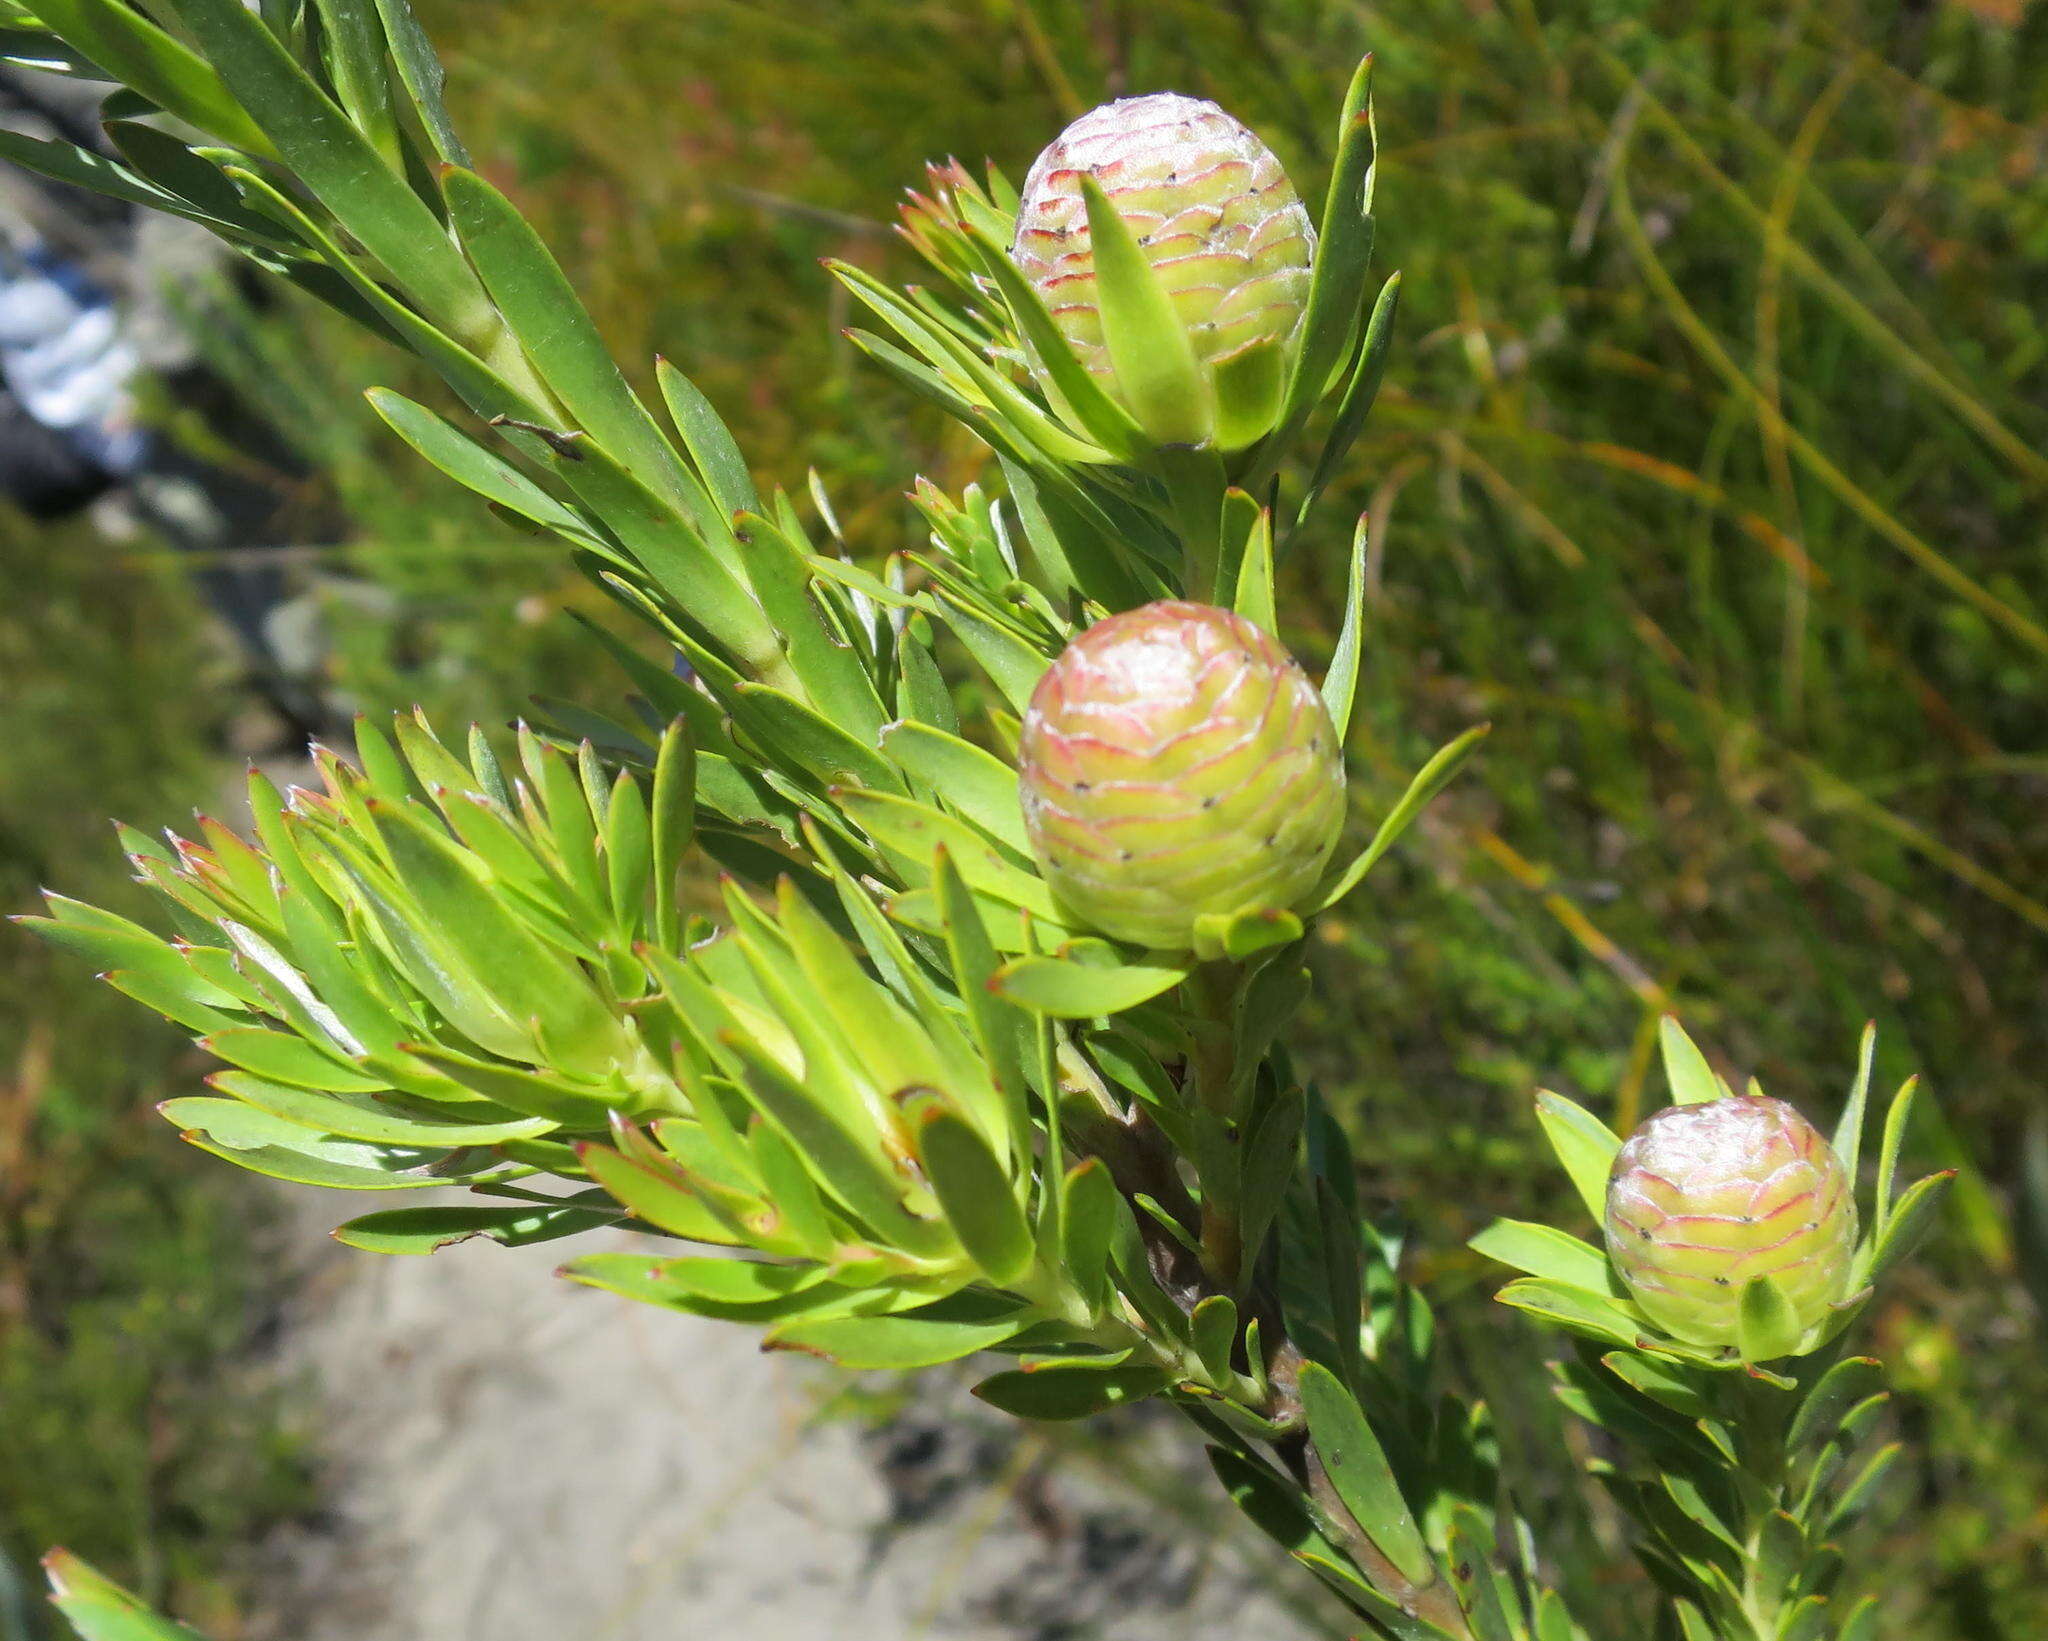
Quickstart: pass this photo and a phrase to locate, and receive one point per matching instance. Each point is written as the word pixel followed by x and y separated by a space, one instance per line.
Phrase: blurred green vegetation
pixel 1710 470
pixel 128 1301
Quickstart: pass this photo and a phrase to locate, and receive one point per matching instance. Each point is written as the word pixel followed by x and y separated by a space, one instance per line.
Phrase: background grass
pixel 1711 470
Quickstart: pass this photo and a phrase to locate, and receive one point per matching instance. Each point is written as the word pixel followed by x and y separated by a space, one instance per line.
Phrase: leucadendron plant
pixel 977 1047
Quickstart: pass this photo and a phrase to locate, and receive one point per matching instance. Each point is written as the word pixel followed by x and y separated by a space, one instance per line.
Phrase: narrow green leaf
pixel 1253 594
pixel 1896 1121
pixel 661 1197
pixel 1848 1382
pixel 1071 383
pixel 424 1230
pixel 1088 1228
pixel 1471 1565
pixel 1849 1131
pixel 997 1026
pixel 339 165
pixel 1431 779
pixel 1765 1326
pixel 1908 1224
pixel 979 785
pixel 1856 1496
pixel 1069 990
pixel 558 336
pixel 470 465
pixel 709 441
pixel 265 1144
pixel 1157 373
pixel 1541 1251
pixel 1583 1144
pixel 673 822
pixel 1343 250
pixel 123 41
pixel 100 1610
pixel 1074 1389
pixel 1664 1384
pixel 1692 1080
pixel 1359 393
pixel 810 744
pixel 975 1192
pixel 628 851
pixel 1577 1310
pixel 419 70
pixel 1212 1329
pixel 1358 1469
pixel 1340 683
pixel 893 1343
pixel 352 40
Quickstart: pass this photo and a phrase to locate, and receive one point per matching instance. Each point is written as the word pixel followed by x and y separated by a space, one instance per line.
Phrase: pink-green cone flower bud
pixel 1704 1197
pixel 1215 216
pixel 1177 761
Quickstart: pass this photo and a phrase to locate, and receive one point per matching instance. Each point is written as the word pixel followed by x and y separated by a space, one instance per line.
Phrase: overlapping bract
pixel 1177 762
pixel 1214 214
pixel 1705 1198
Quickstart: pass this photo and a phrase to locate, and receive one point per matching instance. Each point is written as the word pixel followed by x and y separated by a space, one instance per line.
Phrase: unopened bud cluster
pixel 1703 1198
pixel 1210 206
pixel 1177 761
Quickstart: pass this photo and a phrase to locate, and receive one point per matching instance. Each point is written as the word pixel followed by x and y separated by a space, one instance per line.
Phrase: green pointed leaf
pixel 133 50
pixel 895 1343
pixel 1541 1251
pixel 1849 1131
pixel 1359 393
pixel 1471 1565
pixel 557 334
pixel 339 165
pixel 1577 1310
pixel 1431 779
pixel 1088 1223
pixel 1157 373
pixel 809 742
pixel 361 1117
pixel 1252 597
pixel 662 1197
pixel 1212 1329
pixel 1269 1160
pixel 1358 1469
pixel 1069 990
pixel 997 1026
pixel 1908 1224
pixel 673 821
pixel 909 832
pixel 1343 251
pixel 1664 1384
pixel 1583 1144
pixel 1692 1080
pixel 424 1230
pixel 1070 1389
pixel 1850 1381
pixel 1105 421
pixel 265 1144
pixel 731 1290
pixel 1765 1326
pixel 1340 683
pixel 474 467
pixel 976 1194
pixel 979 785
pixel 100 1610
pixel 1856 1496
pixel 709 441
pixel 1011 663
pixel 1896 1121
